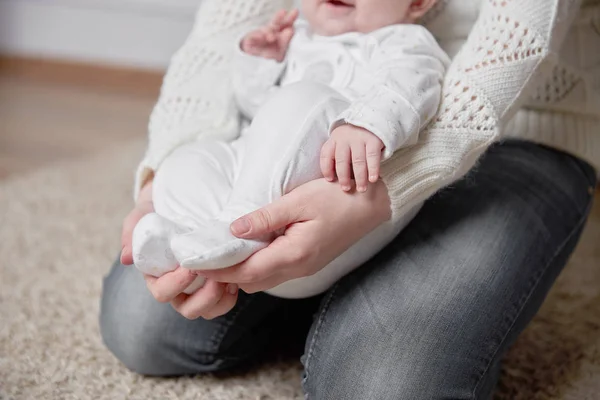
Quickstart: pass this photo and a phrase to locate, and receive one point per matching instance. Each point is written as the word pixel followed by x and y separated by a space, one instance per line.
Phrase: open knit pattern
pixel 514 47
pixel 59 234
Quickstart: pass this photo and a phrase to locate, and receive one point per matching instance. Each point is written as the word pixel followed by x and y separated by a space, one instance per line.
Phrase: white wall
pixel 138 33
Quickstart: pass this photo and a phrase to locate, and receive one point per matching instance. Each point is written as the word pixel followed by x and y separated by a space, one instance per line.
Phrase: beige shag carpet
pixel 59 231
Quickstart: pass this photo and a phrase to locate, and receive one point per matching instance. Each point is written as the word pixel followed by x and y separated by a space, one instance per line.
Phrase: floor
pixel 51 111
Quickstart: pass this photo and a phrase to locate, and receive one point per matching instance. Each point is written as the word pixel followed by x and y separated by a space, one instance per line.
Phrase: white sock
pixel 151 247
pixel 214 247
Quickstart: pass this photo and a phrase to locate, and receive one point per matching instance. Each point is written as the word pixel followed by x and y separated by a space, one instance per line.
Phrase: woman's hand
pixel 210 301
pixel 143 206
pixel 322 222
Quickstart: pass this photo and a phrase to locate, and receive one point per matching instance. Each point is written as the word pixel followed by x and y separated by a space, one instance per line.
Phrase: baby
pixel 331 94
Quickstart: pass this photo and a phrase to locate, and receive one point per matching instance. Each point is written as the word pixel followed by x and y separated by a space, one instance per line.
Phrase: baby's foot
pixel 214 247
pixel 151 247
pixel 151 250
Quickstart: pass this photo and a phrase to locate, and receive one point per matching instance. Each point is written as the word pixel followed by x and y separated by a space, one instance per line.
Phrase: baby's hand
pixel 352 149
pixel 272 41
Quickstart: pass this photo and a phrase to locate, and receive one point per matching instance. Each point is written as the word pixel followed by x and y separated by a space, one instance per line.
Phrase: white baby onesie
pixel 388 82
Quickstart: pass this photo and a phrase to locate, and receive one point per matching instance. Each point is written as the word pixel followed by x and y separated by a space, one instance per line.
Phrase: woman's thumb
pixel 266 220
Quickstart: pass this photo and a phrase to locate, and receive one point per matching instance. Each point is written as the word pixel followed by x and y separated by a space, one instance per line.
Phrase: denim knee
pixel 369 360
pixel 151 338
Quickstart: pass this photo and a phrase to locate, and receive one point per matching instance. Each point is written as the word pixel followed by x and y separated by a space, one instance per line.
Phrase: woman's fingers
pixel 199 303
pixel 170 285
pixel 129 224
pixel 374 160
pixel 262 265
pixel 359 166
pixel 226 304
pixel 328 160
pixel 267 284
pixel 342 166
pixel 277 215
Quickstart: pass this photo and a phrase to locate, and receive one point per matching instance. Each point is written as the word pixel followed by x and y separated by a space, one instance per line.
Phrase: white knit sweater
pixel 535 60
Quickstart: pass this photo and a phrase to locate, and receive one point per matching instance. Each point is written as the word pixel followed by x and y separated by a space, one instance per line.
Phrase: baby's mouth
pixel 339 3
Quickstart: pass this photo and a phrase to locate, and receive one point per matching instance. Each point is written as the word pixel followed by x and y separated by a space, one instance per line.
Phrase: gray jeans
pixel 429 317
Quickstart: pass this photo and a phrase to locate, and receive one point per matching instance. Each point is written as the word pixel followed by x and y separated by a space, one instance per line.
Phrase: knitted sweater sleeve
pixel 513 45
pixel 196 97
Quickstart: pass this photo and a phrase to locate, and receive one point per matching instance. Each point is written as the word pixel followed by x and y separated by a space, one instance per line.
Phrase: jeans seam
pixel 577 228
pixel 319 324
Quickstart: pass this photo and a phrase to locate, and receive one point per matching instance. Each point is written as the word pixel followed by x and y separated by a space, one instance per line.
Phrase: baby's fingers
pixel 284 19
pixel 269 34
pixel 285 37
pixel 278 20
pixel 290 18
pixel 328 160
pixel 342 166
pixel 359 166
pixel 374 160
pixel 255 39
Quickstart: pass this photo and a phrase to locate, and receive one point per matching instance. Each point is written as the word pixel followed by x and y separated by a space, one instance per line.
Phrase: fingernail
pixel 346 188
pixel 232 288
pixel 362 189
pixel 373 178
pixel 240 226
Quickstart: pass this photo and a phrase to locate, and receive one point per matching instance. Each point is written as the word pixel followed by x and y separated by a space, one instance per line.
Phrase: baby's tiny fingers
pixel 374 161
pixel 269 35
pixel 342 166
pixel 254 40
pixel 278 19
pixel 256 37
pixel 285 37
pixel 291 17
pixel 359 166
pixel 328 160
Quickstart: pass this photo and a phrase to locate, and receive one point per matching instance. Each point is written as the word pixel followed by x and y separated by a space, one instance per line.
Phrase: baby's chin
pixel 325 25
pixel 333 27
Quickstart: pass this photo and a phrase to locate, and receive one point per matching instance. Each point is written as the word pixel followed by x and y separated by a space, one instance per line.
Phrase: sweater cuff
pixel 387 115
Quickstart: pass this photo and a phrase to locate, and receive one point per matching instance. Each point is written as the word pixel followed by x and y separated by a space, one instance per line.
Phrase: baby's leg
pixel 281 151
pixel 190 187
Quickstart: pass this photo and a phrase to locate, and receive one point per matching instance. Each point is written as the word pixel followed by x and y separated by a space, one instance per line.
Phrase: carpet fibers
pixel 59 232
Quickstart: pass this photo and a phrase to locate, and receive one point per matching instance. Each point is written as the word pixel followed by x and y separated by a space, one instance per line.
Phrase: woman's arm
pixel 512 46
pixel 196 95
